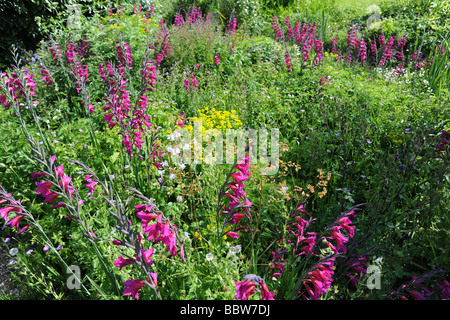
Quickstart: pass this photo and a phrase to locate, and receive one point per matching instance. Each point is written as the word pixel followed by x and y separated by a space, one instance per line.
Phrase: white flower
pixel 379 260
pixel 13 251
pixel 165 163
pixel 284 189
pixel 238 248
pixel 172 176
pixel 186 147
pixel 186 234
pixel 182 165
pixel 209 257
pixel 179 199
pixel 175 151
pixel 209 158
pixel 177 134
pixel 161 172
pixel 232 250
pixel 174 135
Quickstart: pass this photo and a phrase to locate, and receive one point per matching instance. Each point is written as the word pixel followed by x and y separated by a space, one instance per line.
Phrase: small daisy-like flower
pixel 13 251
pixel 179 199
pixel 209 257
pixel 232 250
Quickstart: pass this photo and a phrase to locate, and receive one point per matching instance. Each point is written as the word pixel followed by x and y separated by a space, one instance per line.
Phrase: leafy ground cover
pixel 100 201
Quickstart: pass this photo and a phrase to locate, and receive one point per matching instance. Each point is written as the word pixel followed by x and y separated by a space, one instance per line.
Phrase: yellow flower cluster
pixel 331 54
pixel 397 138
pixel 215 119
pixel 142 23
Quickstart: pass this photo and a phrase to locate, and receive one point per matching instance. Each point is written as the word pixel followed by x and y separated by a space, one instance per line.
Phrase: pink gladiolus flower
pixel 320 278
pixel 4 212
pixel 43 187
pixel 35 175
pixel 381 40
pixel 232 234
pixel 132 288
pixel 444 288
pixel 121 262
pixel 182 252
pixel 170 242
pixel 154 277
pixel 288 62
pixel 50 197
pixel 244 289
pixel 153 230
pixel 127 59
pixel 92 234
pixel 146 217
pixel 24 229
pixel 340 239
pixel 345 222
pixel 266 295
pixel 237 194
pixel 237 217
pixel 91 185
pixel 59 205
pixel 416 295
pixel 14 222
pixel 363 51
pixel 194 81
pixel 127 143
pixel 118 243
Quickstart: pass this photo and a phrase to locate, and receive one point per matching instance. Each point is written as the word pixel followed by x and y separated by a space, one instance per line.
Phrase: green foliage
pixel 350 135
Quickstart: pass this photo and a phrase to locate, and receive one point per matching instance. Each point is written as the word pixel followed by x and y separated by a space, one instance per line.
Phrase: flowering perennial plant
pixel 248 287
pixel 238 198
pixel 161 231
pixel 132 120
pixel 17 88
pixel 302 244
pixel 423 286
pixel 304 37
